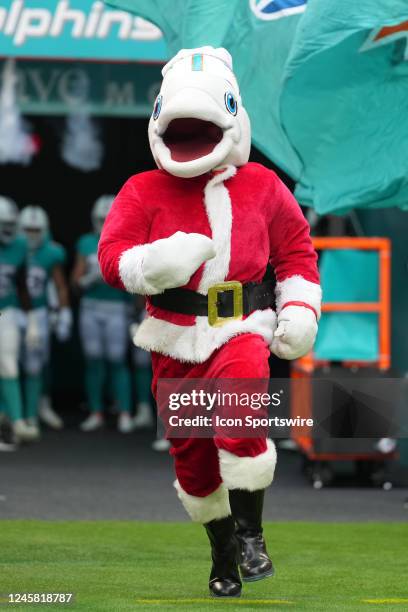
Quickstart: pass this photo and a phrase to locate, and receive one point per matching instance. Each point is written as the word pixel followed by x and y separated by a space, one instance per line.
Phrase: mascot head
pixel 198 121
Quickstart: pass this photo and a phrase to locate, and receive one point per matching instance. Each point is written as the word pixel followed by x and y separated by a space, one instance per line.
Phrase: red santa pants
pixel 249 462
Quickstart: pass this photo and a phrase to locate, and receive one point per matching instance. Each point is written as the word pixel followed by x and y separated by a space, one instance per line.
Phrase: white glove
pixel 32 333
pixel 63 324
pixel 296 332
pixel 172 261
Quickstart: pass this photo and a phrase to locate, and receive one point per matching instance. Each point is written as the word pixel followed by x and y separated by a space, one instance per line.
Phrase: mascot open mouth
pixel 188 139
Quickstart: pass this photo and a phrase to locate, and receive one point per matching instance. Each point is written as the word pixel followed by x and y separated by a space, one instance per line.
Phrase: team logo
pixel 275 9
pixel 387 35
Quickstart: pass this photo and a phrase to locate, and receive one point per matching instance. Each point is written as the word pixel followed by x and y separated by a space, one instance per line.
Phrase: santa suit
pixel 252 219
pixel 188 225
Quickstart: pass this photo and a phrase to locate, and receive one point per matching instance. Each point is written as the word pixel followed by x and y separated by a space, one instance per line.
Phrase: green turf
pixel 114 566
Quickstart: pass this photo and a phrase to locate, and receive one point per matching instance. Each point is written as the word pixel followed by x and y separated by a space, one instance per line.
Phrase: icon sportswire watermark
pixel 321 408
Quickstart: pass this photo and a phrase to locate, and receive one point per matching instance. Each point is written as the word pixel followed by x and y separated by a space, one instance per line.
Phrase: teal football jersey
pixel 87 246
pixel 40 264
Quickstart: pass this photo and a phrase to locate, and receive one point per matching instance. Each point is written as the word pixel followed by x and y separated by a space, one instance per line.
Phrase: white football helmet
pixel 34 224
pixel 8 220
pixel 100 211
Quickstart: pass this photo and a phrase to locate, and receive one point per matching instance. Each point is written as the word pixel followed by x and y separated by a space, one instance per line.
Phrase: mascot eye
pixel 157 107
pixel 231 103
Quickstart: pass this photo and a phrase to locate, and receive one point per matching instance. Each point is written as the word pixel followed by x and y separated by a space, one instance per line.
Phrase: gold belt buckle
pixel 238 303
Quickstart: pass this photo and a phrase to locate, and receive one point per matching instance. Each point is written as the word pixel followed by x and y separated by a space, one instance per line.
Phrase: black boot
pixel 224 577
pixel 246 508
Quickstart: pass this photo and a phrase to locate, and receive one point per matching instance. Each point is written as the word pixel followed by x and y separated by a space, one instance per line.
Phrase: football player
pixel 44 264
pixel 103 326
pixel 14 295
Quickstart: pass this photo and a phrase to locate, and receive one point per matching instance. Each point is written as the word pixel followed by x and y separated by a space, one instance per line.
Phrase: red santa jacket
pixel 252 219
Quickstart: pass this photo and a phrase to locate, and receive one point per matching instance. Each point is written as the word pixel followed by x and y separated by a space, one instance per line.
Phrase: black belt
pixel 255 296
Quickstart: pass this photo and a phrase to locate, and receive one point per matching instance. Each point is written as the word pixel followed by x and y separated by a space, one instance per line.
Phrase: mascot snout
pixel 198 122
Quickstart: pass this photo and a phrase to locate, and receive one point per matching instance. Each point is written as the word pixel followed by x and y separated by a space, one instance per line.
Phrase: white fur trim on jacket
pixel 195 343
pixel 205 509
pixel 217 203
pixel 131 271
pixel 248 473
pixel 298 289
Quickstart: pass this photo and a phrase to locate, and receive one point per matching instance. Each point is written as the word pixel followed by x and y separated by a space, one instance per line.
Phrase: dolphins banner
pixel 76 29
pixel 325 84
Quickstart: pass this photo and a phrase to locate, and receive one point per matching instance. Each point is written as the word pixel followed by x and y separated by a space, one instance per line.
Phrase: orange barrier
pixel 302 369
pixel 382 307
